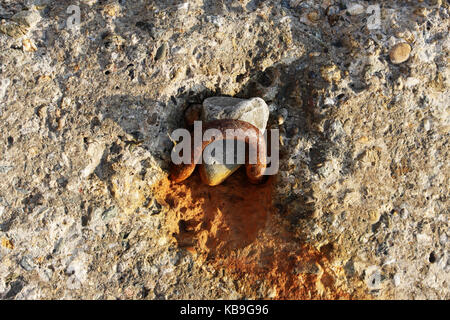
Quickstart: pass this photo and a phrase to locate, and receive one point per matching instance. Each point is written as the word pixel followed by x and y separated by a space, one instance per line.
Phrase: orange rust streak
pixel 235 227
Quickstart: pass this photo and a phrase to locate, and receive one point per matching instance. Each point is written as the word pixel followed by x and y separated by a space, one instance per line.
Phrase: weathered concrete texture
pixel 359 207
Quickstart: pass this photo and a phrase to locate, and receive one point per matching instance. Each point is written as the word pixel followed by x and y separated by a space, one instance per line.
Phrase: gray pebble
pixel 26 263
pixel 161 53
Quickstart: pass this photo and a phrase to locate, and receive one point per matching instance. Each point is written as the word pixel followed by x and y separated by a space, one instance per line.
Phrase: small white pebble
pixel 397 280
pixel 443 239
pixel 411 82
pixel 272 293
pixel 183 6
pixel 427 125
pixel 4 84
pixel 329 101
pixel 355 9
pixel 162 241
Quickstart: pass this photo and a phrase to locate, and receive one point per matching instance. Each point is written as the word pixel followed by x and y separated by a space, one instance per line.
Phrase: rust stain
pixel 234 227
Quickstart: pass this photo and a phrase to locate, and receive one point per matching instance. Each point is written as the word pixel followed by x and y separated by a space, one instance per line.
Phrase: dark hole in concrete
pixel 432 257
pixel 10 141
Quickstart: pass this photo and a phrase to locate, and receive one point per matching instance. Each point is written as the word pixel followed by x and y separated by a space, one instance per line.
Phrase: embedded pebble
pixel 13 30
pixel 27 18
pixel 4 84
pixel 427 125
pixel 313 16
pixel 254 110
pixel 27 263
pixel 282 116
pixel 355 9
pixel 400 53
pixel 161 53
pixel 28 45
pixel 112 9
pixel 109 214
pixel 330 73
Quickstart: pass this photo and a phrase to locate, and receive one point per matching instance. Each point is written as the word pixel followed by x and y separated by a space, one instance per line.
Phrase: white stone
pixel 28 18
pixel 4 84
pixel 411 82
pixel 77 269
pixel 94 153
pixel 355 9
pixel 427 125
pixel 89 2
pixel 254 111
pixel 183 6
pixel 397 280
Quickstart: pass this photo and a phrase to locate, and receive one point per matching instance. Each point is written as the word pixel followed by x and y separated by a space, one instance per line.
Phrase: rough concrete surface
pixel 358 210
